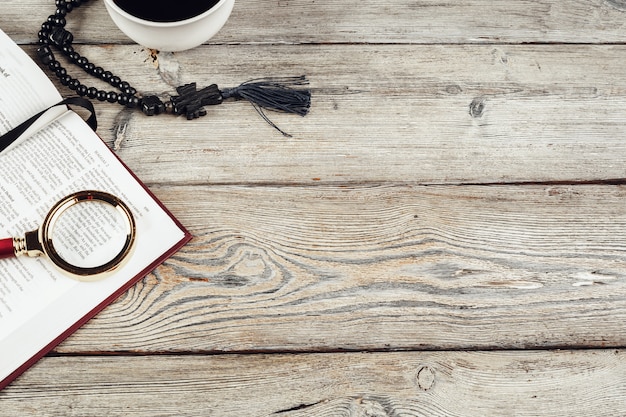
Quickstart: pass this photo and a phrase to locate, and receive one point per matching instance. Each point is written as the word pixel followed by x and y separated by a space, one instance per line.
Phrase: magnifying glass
pixel 87 235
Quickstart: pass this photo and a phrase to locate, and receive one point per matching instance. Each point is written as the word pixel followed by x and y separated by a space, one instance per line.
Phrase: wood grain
pixel 450 384
pixel 425 114
pixel 379 267
pixel 391 21
pixel 458 185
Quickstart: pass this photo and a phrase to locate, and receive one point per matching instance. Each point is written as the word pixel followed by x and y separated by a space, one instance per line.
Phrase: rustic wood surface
pixel 443 235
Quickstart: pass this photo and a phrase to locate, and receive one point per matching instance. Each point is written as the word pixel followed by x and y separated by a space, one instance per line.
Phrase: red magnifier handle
pixel 6 248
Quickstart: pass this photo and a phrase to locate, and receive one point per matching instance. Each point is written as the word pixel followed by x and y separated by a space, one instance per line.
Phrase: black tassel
pixel 276 94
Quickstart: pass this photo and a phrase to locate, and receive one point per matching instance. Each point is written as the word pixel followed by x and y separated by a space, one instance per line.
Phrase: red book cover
pixel 59 154
pixel 37 316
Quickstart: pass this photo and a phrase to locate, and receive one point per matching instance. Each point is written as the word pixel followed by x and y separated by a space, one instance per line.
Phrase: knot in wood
pixel 425 378
pixel 477 107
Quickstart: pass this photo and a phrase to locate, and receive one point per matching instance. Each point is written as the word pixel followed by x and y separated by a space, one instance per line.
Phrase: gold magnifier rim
pixel 91 273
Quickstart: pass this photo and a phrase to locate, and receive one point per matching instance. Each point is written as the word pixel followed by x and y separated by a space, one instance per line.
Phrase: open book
pixel 40 305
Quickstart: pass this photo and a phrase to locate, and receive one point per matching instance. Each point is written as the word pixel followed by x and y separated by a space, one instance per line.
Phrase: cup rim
pixel 145 22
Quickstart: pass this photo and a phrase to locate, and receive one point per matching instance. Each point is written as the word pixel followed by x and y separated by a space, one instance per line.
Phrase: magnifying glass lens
pixel 89 233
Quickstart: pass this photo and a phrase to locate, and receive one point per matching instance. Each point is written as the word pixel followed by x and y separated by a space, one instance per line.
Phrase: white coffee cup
pixel 172 36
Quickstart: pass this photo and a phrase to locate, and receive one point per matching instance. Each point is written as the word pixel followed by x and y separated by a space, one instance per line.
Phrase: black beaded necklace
pixel 278 94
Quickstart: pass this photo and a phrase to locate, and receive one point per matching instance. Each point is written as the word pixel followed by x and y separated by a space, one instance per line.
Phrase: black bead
pixel 67 49
pixel 60 72
pixel 112 97
pixel 73 84
pixel 92 92
pixel 89 67
pixel 76 3
pixel 133 102
pixel 73 56
pixel 65 80
pixel 54 65
pixel 46 26
pixel 43 37
pixel 45 54
pixel 59 21
pixel 98 71
pixel 130 91
pixel 82 90
pixel 102 95
pixel 82 61
pixel 60 37
pixel 122 99
pixel 152 105
pixel 115 81
pixel 106 75
pixel 61 11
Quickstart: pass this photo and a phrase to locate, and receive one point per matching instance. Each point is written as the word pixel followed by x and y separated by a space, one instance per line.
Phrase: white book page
pixel 37 302
pixel 25 89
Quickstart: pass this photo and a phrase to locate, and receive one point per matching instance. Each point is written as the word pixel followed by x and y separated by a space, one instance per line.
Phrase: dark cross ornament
pixel 190 101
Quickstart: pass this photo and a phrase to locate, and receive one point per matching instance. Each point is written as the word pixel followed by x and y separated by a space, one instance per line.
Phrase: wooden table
pixel 443 235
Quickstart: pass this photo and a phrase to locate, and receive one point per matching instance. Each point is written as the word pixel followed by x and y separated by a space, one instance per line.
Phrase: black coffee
pixel 165 10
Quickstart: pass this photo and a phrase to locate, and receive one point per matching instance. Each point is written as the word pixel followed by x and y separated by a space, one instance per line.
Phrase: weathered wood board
pixel 380 267
pixel 520 383
pixel 391 21
pixel 449 215
pixel 417 114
